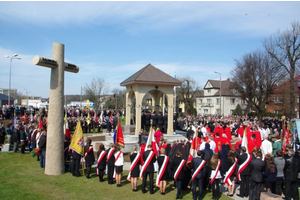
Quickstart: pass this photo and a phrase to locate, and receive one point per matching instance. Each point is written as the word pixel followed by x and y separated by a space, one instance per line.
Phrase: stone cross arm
pixel 48 62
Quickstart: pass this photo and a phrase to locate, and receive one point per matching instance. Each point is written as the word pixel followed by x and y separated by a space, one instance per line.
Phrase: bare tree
pixel 95 89
pixel 119 98
pixel 284 48
pixel 187 92
pixel 254 78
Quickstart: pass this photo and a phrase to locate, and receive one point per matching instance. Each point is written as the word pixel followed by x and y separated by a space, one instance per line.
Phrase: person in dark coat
pixel 154 119
pixel 229 162
pixel 101 162
pixel 147 121
pixel 291 170
pixel 2 134
pixel 135 173
pixel 89 157
pixel 42 147
pixel 223 155
pixel 198 181
pixel 160 121
pixel 165 123
pixel 15 137
pixel 207 155
pixel 160 160
pixel 149 170
pixel 257 167
pixel 180 177
pixel 76 157
pixel 110 163
pixel 245 174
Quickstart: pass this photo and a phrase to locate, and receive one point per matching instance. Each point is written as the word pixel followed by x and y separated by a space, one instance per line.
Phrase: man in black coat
pixel 165 121
pixel 149 170
pixel 15 137
pixel 147 121
pixel 154 119
pixel 257 167
pixel 291 170
pixel 198 181
pixel 245 174
pixel 160 121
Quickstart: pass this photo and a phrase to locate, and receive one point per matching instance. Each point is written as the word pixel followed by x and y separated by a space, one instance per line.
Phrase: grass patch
pixel 22 178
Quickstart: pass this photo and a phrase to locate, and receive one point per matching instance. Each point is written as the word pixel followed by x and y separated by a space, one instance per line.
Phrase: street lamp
pixel 220 91
pixel 27 97
pixel 13 57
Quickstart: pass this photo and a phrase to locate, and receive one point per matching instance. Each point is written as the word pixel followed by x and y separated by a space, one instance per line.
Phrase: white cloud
pixel 244 17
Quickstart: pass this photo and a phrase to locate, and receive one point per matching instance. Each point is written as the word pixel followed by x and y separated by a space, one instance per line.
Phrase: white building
pixel 209 104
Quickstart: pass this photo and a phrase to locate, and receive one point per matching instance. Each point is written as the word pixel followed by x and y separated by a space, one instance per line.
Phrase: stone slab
pixel 5 148
pixel 269 196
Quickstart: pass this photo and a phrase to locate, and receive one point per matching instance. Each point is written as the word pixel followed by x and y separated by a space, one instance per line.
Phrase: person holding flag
pixel 148 168
pixel 198 167
pixel 135 158
pixel 77 147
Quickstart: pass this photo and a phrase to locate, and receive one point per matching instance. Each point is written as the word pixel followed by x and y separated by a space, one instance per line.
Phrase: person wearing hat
pixel 277 145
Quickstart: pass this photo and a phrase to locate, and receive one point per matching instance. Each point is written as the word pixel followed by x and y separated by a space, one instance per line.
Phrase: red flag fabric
pixel 120 137
pixel 40 123
pixel 193 151
pixel 67 130
pixel 111 120
pixel 25 117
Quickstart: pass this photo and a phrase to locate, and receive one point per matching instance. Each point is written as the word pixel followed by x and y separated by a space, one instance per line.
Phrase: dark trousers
pixel 101 174
pixel 145 174
pixel 197 182
pixel 279 184
pixel 255 190
pixel 23 148
pixel 291 190
pixel 43 158
pixel 178 186
pixel 88 170
pixel 76 164
pixel 215 188
pixel 244 185
pixel 110 174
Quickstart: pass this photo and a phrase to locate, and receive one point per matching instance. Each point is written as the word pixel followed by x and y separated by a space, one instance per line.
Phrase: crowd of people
pixel 263 162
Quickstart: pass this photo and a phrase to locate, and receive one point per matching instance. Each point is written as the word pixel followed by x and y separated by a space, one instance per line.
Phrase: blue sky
pixel 113 40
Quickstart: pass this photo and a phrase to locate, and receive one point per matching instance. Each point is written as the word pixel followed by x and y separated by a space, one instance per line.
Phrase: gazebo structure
pixel 158 84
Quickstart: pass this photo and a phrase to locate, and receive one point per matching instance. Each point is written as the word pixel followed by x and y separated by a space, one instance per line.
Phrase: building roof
pixel 225 86
pixel 5 97
pixel 151 75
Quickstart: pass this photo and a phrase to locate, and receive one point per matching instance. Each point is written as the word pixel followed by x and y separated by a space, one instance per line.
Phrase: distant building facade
pixel 209 103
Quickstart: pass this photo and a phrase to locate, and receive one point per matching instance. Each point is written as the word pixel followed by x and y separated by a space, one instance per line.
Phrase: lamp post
pixel 11 58
pixel 27 97
pixel 220 92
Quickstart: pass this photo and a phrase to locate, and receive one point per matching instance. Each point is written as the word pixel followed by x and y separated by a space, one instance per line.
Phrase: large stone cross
pixel 54 164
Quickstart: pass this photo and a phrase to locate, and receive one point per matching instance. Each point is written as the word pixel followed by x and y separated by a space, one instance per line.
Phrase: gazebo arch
pixel 154 81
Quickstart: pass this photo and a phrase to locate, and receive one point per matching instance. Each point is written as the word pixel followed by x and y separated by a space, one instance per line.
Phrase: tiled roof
pixel 151 75
pixel 226 87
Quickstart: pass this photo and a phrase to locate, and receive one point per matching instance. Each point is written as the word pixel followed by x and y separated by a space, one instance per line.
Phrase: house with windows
pixel 218 98
pixel 279 101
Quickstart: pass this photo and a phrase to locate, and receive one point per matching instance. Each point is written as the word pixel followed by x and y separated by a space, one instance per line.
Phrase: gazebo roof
pixel 151 75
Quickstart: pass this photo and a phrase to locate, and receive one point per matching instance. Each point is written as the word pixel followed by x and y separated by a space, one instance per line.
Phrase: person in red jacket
pixel 218 142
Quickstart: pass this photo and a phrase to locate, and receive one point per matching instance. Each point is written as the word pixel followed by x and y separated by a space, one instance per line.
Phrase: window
pixel 205 111
pixel 277 99
pixel 232 101
pixel 208 101
pixel 209 91
pixel 218 100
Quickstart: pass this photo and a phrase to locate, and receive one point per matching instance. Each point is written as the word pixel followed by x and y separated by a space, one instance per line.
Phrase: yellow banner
pixel 77 143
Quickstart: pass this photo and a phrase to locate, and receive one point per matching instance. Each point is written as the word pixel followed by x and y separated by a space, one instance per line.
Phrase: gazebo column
pixel 128 106
pixel 138 112
pixel 170 114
